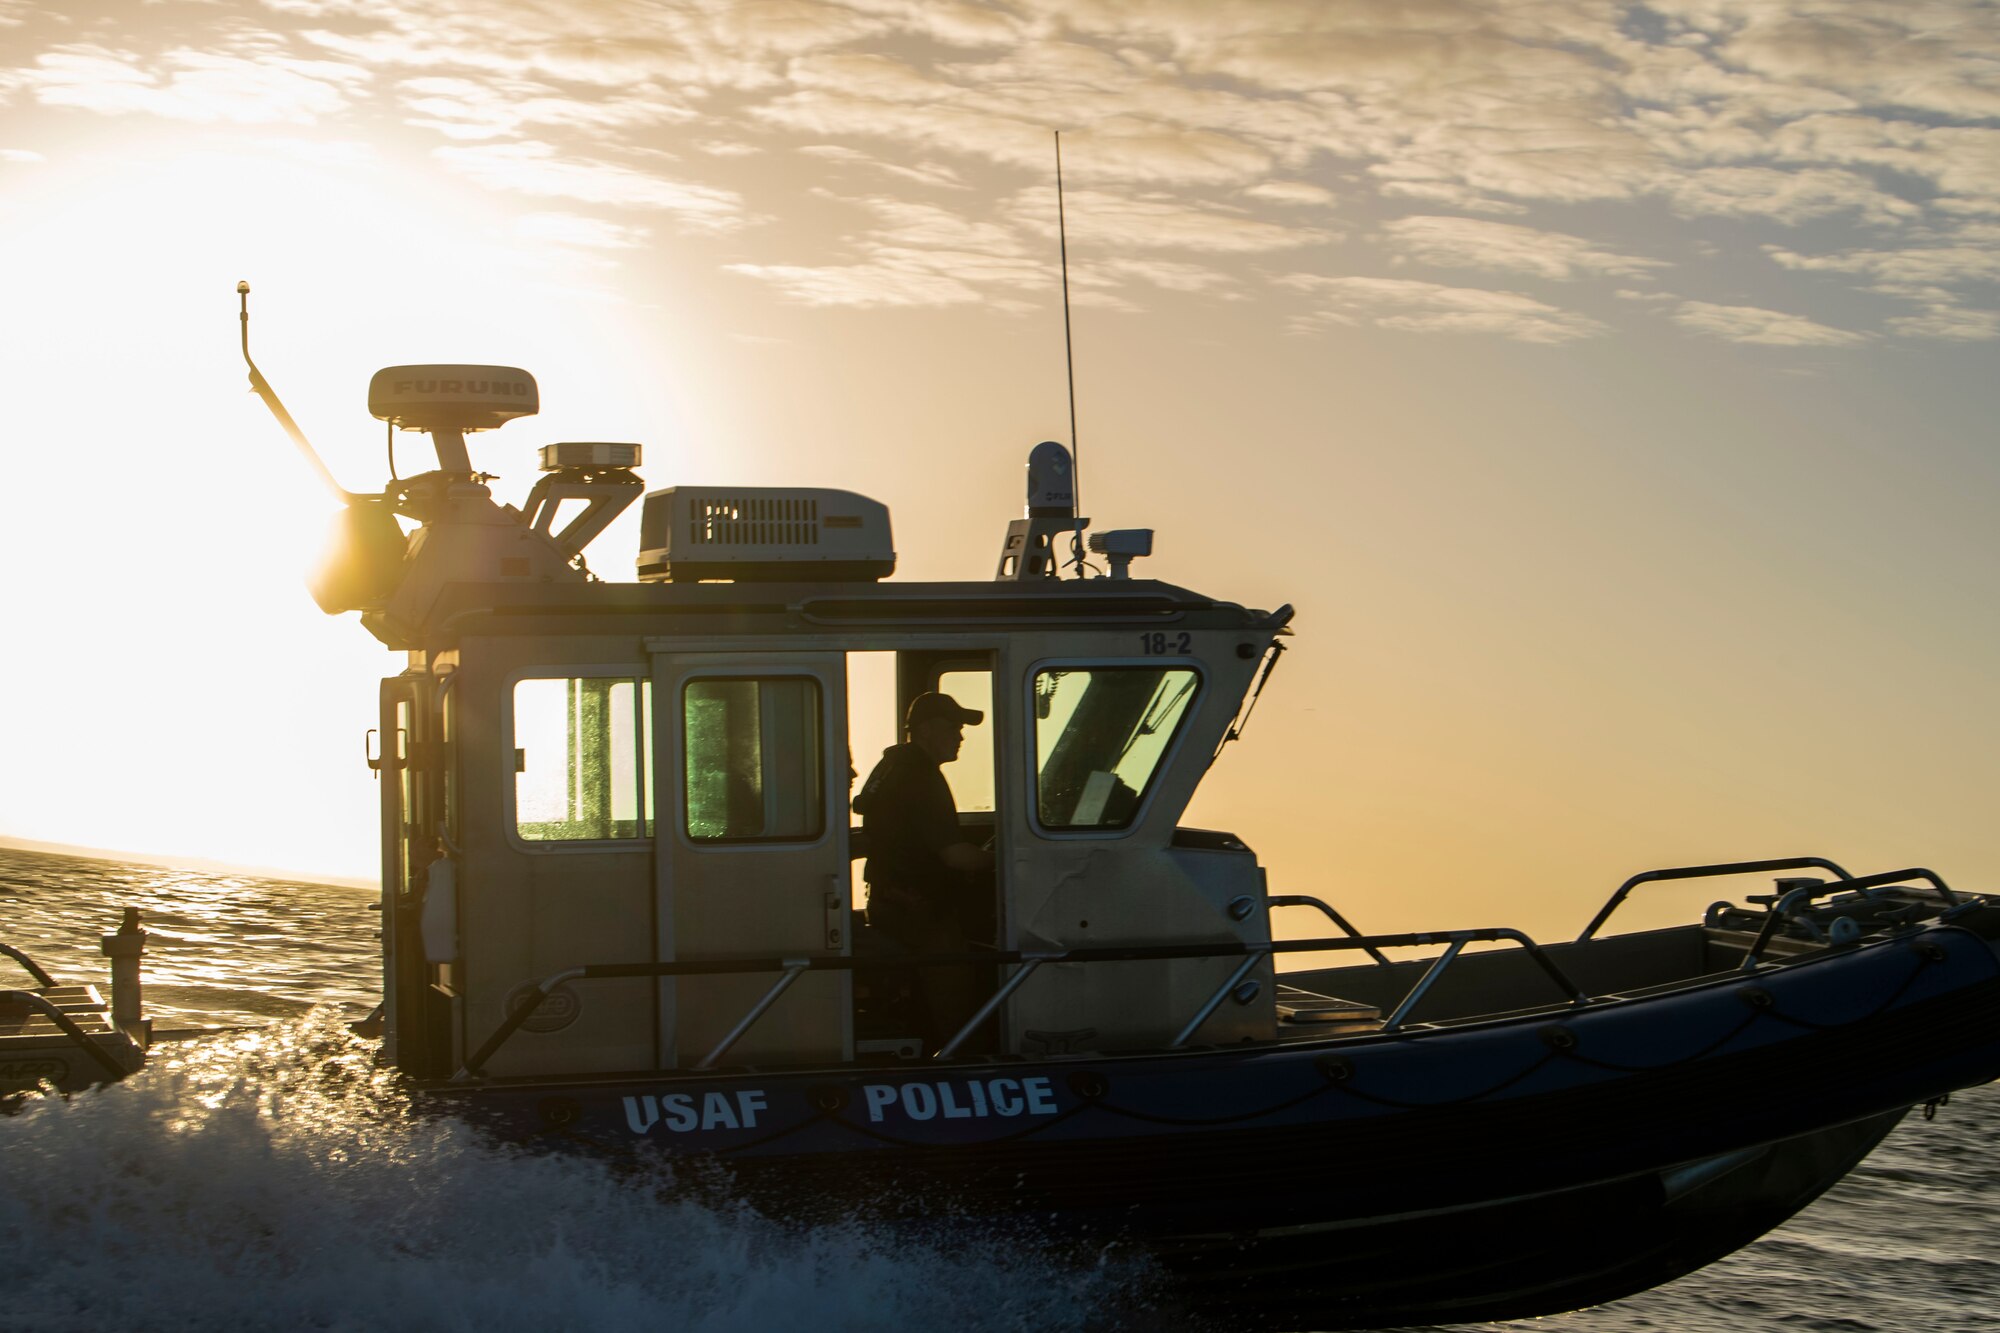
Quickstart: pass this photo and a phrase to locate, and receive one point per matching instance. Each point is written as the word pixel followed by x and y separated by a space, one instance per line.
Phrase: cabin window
pixel 1100 734
pixel 755 766
pixel 583 759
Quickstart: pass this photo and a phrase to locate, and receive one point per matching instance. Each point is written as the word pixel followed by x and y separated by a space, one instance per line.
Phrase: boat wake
pixel 279 1179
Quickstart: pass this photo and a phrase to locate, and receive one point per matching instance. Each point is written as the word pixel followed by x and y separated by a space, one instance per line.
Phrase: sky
pixel 1610 387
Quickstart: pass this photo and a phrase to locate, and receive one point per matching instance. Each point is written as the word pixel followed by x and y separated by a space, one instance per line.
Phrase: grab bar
pixel 1790 903
pixel 794 969
pixel 1704 872
pixel 1251 953
pixel 1424 983
pixel 34 969
pixel 1307 900
pixel 998 998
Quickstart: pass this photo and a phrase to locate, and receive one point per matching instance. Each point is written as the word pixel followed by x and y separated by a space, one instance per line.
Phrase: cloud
pixel 577 230
pixel 1014 131
pixel 20 155
pixel 951 22
pixel 1930 57
pixel 1294 193
pixel 475 109
pixel 1789 197
pixel 618 43
pixel 1961 162
pixel 921 173
pixel 1427 307
pixel 908 222
pixel 1974 260
pixel 896 276
pixel 1768 328
pixel 913 254
pixel 535 168
pixel 1448 194
pixel 1950 323
pixel 1101 219
pixel 189 85
pixel 1194 130
pixel 1448 242
pixel 1172 275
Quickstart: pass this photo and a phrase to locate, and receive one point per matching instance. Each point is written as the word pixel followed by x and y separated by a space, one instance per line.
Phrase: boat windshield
pixel 1100 734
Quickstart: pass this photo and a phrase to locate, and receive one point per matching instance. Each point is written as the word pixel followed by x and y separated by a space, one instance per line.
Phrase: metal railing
pixel 34 969
pixel 1782 910
pixel 1707 872
pixel 1251 954
pixel 68 1026
pixel 1307 900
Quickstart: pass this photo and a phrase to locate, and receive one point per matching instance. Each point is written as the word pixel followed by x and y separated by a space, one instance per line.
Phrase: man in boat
pixel 922 872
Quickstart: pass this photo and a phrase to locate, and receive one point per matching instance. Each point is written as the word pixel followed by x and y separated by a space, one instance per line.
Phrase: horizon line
pixel 170 861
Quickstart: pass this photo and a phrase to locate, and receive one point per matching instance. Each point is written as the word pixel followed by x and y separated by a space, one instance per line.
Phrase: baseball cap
pixel 929 706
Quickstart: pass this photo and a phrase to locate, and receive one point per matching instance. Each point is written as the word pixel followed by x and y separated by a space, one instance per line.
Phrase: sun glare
pixel 190 519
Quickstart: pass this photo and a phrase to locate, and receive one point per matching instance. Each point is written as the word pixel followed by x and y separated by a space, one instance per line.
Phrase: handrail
pixel 1456 940
pixel 1402 1012
pixel 69 1028
pixel 1307 900
pixel 993 1002
pixel 1704 872
pixel 794 969
pixel 34 969
pixel 1788 904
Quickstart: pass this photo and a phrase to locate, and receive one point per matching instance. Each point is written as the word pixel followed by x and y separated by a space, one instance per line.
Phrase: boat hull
pixel 1516 1258
pixel 1492 1170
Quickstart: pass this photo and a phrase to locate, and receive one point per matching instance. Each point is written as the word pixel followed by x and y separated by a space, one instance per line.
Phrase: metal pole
pixel 794 969
pixel 1423 985
pixel 1069 370
pixel 1011 985
pixel 475 1064
pixel 125 948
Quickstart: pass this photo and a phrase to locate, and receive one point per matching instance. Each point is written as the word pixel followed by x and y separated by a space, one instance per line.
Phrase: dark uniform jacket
pixel 909 818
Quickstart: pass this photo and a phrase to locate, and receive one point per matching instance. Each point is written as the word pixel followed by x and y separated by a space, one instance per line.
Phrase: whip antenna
pixel 1069 363
pixel 264 390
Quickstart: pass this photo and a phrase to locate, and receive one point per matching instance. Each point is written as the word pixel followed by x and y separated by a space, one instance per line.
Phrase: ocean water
pixel 274 1178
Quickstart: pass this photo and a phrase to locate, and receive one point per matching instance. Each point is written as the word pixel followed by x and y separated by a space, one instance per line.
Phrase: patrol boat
pixel 619 914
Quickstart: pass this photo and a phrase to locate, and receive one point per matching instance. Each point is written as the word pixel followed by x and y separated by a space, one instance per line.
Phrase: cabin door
pixel 752 829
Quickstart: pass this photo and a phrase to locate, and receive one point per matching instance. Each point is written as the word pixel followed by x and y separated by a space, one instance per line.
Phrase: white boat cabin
pixel 577 772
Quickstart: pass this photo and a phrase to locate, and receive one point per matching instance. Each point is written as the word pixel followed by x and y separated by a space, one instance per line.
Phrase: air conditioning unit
pixel 763 533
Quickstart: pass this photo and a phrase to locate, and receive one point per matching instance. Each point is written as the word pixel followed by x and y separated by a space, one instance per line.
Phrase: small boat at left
pixel 64 1035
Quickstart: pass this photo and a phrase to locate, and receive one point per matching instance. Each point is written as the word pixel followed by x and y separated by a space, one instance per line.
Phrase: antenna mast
pixel 1069 365
pixel 264 390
